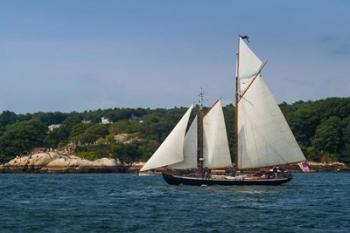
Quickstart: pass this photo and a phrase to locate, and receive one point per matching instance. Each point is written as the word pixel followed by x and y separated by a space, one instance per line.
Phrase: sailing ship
pixel 262 135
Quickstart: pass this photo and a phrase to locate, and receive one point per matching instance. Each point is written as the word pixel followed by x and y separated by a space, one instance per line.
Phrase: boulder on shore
pixel 54 162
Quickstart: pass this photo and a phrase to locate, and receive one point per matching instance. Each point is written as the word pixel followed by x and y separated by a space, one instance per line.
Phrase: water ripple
pixel 318 202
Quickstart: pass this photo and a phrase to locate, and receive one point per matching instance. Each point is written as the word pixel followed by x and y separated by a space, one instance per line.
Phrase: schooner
pixel 263 137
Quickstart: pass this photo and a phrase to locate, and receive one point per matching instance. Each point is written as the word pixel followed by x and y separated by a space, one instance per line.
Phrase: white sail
pixel 216 151
pixel 264 137
pixel 190 148
pixel 171 150
pixel 249 65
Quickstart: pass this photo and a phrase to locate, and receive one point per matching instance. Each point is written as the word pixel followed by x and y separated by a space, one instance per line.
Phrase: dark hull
pixel 197 181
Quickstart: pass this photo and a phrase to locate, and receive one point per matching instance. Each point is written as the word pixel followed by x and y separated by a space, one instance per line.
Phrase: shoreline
pixel 52 162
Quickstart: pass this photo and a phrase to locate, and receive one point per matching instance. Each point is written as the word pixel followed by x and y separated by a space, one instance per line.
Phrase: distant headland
pixel 58 162
pixel 120 138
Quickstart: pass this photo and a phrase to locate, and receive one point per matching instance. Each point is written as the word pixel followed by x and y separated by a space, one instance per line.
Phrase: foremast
pixel 201 133
pixel 235 159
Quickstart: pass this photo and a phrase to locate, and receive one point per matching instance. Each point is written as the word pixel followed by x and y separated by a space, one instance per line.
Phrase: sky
pixel 76 55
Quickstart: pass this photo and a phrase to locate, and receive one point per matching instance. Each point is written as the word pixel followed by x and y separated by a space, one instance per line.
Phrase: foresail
pixel 249 65
pixel 216 151
pixel 190 148
pixel 171 150
pixel 264 137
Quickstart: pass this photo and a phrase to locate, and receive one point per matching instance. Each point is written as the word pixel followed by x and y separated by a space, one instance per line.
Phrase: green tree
pixel 158 124
pixel 2 130
pixel 21 137
pixel 49 118
pixel 127 153
pixel 56 137
pixel 72 119
pixel 77 130
pixel 92 133
pixel 344 156
pixel 328 136
pixel 124 126
pixel 7 118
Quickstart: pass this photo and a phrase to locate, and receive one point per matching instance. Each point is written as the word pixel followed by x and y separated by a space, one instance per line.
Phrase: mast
pixel 235 159
pixel 201 132
pixel 267 139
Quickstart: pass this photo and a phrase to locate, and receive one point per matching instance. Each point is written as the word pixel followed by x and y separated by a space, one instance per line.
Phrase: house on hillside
pixel 105 121
pixel 53 126
pixel 136 118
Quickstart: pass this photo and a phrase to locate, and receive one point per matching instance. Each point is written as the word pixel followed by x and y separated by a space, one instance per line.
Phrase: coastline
pixel 53 162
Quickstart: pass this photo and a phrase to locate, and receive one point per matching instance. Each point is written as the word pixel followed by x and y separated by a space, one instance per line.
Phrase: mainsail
pixel 216 151
pixel 190 148
pixel 264 137
pixel 171 150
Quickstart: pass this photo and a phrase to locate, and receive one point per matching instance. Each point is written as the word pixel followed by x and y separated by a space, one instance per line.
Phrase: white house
pixel 53 126
pixel 105 121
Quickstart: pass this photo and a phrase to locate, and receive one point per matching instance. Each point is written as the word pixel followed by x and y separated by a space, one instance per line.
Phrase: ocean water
pixel 317 202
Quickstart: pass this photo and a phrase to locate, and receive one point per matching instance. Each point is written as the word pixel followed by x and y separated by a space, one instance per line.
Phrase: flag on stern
pixel 304 166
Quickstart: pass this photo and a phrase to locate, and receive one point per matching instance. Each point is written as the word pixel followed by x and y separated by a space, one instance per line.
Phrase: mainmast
pixel 201 131
pixel 235 159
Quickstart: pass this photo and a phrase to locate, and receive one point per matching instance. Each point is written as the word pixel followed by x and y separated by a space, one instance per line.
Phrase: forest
pixel 321 127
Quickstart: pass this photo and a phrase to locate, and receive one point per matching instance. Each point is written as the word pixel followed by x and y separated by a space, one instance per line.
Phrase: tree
pixel 158 124
pixel 344 155
pixel 49 118
pixel 56 137
pixel 21 137
pixel 91 134
pixel 303 122
pixel 77 130
pixel 124 126
pixel 2 130
pixel 127 153
pixel 7 118
pixel 328 136
pixel 72 119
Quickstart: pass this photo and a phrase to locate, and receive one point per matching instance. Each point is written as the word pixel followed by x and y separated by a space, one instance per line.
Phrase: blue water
pixel 318 202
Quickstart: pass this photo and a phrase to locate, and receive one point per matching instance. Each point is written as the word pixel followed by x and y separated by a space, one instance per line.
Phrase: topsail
pixel 249 65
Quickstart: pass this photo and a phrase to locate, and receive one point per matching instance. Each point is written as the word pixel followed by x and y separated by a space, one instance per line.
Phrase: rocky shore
pixel 321 167
pixel 54 162
pixel 329 167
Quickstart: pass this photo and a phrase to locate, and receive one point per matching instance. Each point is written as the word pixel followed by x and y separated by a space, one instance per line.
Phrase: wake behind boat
pixel 263 137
